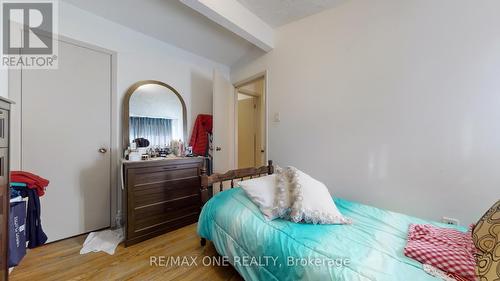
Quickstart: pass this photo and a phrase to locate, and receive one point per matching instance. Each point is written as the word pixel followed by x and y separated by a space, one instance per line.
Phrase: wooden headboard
pixel 231 176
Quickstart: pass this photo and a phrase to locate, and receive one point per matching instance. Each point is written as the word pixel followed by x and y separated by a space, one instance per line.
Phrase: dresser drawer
pixel 134 237
pixel 151 193
pixel 157 218
pixel 159 174
pixel 167 206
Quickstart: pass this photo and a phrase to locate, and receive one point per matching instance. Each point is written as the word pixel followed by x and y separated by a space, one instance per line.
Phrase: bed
pixel 369 249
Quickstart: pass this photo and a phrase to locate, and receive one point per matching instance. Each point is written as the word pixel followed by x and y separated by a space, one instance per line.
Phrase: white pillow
pixel 262 192
pixel 292 194
pixel 312 202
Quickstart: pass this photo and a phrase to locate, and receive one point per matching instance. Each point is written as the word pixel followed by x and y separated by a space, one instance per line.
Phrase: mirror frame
pixel 126 110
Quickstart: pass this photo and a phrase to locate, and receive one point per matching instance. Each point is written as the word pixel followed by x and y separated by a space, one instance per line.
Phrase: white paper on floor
pixel 106 240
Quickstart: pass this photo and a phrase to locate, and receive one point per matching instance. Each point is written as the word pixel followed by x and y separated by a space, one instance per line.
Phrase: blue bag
pixel 17 233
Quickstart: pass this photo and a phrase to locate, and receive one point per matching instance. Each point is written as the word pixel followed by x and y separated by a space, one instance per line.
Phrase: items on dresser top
pixel 160 195
pixel 140 142
pixel 176 148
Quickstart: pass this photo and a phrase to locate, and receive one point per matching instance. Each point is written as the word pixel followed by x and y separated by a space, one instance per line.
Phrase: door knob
pixel 103 150
pixel 218 148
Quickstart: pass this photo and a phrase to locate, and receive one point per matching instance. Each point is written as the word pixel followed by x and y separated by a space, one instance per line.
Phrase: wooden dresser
pixel 160 196
pixel 4 186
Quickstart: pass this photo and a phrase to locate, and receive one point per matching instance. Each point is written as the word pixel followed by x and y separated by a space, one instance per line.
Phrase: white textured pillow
pixel 294 195
pixel 262 192
pixel 312 202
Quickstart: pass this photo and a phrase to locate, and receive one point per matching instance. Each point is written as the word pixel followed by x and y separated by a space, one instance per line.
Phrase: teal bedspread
pixel 369 249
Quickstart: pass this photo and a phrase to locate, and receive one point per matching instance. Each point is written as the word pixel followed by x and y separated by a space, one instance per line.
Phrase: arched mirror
pixel 154 115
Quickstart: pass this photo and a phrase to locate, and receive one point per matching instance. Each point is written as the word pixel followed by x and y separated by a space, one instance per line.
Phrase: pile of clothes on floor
pixel 24 217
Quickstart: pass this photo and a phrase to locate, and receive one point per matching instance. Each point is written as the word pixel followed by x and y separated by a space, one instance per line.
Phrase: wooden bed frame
pixel 230 176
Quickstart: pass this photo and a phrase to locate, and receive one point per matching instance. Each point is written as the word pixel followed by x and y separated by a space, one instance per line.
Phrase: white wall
pixel 139 57
pixel 4 83
pixel 391 103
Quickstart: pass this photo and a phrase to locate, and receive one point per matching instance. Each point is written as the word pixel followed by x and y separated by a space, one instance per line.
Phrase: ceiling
pixel 174 23
pixel 279 12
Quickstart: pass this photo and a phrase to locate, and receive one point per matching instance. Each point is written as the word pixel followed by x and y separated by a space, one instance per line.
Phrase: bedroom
pixel 390 106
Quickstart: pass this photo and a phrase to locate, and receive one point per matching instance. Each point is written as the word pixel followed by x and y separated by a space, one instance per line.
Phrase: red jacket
pixel 199 138
pixel 31 180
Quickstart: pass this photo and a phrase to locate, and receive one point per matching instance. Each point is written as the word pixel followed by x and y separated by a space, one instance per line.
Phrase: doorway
pixel 251 123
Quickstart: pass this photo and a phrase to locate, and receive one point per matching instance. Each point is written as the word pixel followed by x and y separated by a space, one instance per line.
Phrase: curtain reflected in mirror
pixel 157 130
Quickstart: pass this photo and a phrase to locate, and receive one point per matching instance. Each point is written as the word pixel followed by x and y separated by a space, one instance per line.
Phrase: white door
pixel 65 121
pixel 223 124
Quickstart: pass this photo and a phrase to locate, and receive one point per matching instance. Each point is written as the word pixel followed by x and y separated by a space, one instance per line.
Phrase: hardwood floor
pixel 62 261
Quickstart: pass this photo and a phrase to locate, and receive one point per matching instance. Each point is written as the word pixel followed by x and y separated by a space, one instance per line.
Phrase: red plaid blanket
pixel 450 250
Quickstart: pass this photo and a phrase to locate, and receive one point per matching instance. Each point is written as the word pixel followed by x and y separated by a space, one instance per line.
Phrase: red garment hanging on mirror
pixel 199 138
